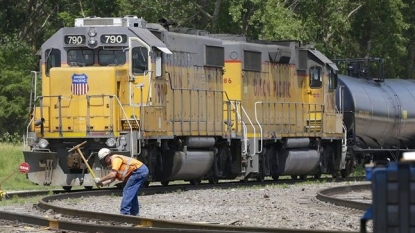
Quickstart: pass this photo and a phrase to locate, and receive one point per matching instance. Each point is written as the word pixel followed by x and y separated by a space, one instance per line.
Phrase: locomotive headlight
pixel 92 32
pixel 43 143
pixel 92 41
pixel 110 142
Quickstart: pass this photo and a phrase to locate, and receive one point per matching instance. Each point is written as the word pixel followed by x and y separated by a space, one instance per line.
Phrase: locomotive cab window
pixel 80 57
pixel 316 77
pixel 332 80
pixel 111 57
pixel 140 60
pixel 53 59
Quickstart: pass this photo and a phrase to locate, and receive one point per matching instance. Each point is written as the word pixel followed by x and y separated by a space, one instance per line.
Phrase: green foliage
pixel 281 23
pixel 16 62
pixel 13 139
pixel 358 171
pixel 379 31
pixel 67 18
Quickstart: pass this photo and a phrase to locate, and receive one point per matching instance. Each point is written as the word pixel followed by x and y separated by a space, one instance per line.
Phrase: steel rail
pixel 327 195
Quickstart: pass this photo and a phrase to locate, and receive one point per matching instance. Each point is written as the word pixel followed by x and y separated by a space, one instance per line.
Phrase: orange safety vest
pixel 124 166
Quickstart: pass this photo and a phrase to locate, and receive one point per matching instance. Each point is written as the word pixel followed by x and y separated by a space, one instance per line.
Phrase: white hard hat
pixel 103 152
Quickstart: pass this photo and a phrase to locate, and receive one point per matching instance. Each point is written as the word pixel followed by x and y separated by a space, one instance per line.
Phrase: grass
pixel 16 200
pixel 359 170
pixel 11 156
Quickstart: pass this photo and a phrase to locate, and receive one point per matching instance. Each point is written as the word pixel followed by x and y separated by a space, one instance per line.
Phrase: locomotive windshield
pixel 80 57
pixel 53 59
pixel 111 57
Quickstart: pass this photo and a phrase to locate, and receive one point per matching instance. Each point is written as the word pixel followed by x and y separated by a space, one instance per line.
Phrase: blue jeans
pixel 129 202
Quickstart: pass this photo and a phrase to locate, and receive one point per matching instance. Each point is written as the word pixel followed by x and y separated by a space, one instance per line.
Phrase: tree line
pixel 338 28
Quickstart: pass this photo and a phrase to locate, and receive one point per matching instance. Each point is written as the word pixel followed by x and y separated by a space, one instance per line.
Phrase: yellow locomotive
pixel 191 105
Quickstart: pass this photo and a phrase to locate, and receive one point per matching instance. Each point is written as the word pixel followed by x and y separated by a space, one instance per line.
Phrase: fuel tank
pixel 381 112
pixel 298 162
pixel 191 164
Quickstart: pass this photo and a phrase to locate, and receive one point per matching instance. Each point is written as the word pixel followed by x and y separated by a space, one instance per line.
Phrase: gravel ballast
pixel 276 206
pixel 279 206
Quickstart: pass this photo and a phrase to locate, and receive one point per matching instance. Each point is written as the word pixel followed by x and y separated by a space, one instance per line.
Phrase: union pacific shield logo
pixel 79 84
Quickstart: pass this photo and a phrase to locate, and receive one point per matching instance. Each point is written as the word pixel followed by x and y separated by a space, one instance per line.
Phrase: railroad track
pixel 104 222
pixel 329 195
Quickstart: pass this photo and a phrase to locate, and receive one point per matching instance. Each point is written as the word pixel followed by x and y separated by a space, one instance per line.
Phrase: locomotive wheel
pixel 275 177
pixel 260 177
pixel 303 177
pixel 164 183
pixel 343 173
pixel 67 188
pixel 213 180
pixel 88 187
pixel 294 177
pixel 195 181
pixel 348 170
pixel 317 176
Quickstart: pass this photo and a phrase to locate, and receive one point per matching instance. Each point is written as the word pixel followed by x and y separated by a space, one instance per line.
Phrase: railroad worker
pixel 72 57
pixel 129 170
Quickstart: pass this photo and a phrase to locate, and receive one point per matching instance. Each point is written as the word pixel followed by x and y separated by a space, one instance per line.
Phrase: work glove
pixel 97 180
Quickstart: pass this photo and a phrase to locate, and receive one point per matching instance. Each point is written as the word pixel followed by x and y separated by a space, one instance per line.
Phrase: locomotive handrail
pixel 344 147
pixel 33 90
pixel 244 128
pixel 88 96
pixel 295 104
pixel 25 141
pixel 249 119
pixel 259 125
pixel 255 142
pixel 341 97
pixel 33 96
pixel 41 110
